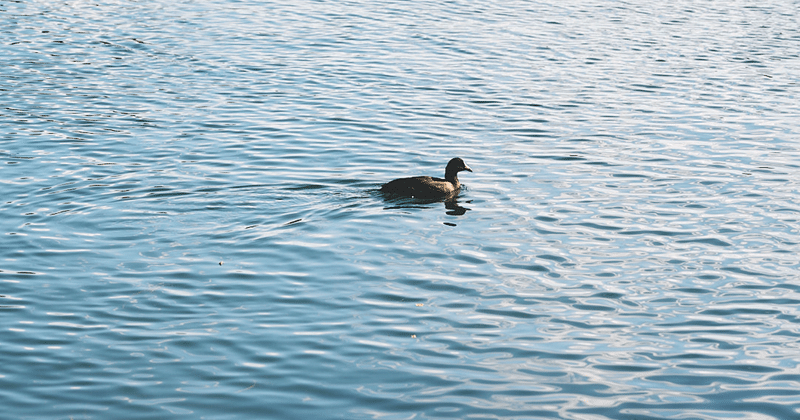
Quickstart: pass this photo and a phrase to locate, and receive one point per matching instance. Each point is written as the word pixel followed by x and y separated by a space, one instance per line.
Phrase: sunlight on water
pixel 192 225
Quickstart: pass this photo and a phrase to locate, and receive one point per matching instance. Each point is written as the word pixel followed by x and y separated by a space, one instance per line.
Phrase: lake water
pixel 191 226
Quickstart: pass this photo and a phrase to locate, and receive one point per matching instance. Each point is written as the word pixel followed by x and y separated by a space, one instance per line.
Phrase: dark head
pixel 455 166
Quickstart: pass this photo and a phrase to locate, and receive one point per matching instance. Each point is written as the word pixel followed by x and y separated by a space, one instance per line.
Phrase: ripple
pixel 190 226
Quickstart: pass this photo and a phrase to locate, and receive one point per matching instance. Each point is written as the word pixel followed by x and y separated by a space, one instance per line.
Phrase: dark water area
pixel 191 224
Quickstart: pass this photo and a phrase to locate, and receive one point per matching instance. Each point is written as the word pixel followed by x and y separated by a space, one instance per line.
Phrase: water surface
pixel 191 225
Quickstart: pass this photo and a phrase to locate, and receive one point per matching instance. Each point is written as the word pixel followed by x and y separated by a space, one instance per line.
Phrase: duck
pixel 429 187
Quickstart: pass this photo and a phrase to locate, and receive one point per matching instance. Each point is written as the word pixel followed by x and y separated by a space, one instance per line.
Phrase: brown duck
pixel 429 187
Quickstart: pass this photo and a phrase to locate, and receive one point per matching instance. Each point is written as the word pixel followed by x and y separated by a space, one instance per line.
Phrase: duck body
pixel 429 187
pixel 421 187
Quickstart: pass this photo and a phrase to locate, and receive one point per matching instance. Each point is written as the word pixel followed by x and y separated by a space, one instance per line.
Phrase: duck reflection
pixel 451 205
pixel 454 209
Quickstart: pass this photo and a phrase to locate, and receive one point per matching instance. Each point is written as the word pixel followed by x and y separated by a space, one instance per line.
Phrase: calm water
pixel 190 224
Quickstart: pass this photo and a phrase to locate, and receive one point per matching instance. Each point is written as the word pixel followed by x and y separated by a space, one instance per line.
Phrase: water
pixel 191 228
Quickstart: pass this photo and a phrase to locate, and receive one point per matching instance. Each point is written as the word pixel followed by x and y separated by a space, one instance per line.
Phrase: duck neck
pixel 452 176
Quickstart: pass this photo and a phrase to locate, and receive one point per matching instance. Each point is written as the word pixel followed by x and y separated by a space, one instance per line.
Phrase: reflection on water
pixel 393 202
pixel 454 208
pixel 627 250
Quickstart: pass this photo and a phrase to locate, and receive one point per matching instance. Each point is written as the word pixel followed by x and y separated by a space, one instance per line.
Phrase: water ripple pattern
pixel 191 226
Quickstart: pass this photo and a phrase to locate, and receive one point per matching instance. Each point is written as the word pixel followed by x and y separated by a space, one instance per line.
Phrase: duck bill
pixel 467 168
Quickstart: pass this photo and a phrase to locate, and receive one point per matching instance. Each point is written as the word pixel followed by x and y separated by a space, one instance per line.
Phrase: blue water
pixel 191 226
